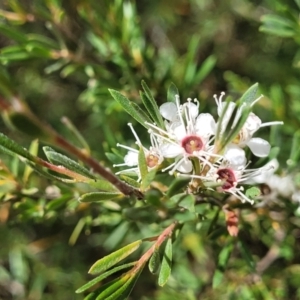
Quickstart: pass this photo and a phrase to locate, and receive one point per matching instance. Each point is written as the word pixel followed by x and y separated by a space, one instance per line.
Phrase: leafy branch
pixel 122 286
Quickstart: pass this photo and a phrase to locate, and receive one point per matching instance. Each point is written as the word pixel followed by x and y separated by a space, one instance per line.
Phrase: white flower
pixel 230 176
pixel 187 134
pixel 153 155
pixel 235 156
pixel 258 146
pixel 266 176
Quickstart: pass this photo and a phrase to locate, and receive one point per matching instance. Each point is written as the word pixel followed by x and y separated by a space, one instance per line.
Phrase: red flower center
pixel 228 176
pixel 191 144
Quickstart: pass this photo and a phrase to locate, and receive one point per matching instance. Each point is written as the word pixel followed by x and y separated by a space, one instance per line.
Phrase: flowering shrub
pixel 191 144
pixel 207 157
pixel 204 193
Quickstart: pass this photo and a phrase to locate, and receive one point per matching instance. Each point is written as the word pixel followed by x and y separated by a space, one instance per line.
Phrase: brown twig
pixel 146 256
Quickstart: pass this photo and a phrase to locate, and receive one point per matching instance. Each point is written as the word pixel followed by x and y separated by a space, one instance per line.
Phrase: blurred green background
pixel 61 57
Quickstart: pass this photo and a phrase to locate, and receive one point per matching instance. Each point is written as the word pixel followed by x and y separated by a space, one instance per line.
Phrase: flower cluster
pixel 191 144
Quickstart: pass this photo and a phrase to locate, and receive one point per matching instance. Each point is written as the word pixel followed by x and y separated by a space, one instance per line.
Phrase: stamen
pixel 261 96
pixel 154 141
pixel 168 167
pixel 194 176
pixel 164 138
pixel 179 112
pixel 127 148
pixel 127 170
pixel 271 123
pixel 135 134
pixel 197 103
pixel 188 116
pixel 220 99
pixel 176 165
pixel 119 165
pixel 242 197
pixel 157 128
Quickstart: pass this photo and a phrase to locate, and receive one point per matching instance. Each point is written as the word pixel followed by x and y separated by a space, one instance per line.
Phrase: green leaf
pixel 222 263
pixel 189 63
pixel 172 92
pixel 274 152
pixel 142 163
pixel 98 291
pixel 44 173
pixel 212 223
pixel 116 236
pixel 233 127
pixel 145 214
pixel 33 149
pixel 151 105
pixel 99 196
pixel 12 33
pixel 57 65
pixel 165 269
pixel 253 192
pixel 177 185
pixel 298 3
pixel 12 147
pixel 278 26
pixel 154 262
pixel 13 53
pixel 6 85
pixel 73 129
pixel 247 255
pixel 188 202
pixel 123 291
pixel 68 70
pixel 217 278
pixel 103 276
pixel 250 95
pixel 58 202
pixel 25 123
pixel 295 150
pixel 130 181
pixel 110 260
pixel 43 41
pixel 224 255
pixel 102 184
pixel 60 159
pixel 206 68
pixel 143 115
pixel 185 216
pixel 146 182
pixel 114 157
pixel 129 107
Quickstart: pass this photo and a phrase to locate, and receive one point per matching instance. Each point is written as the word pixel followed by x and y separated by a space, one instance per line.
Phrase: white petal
pixel 171 150
pixel 205 125
pixel 229 111
pixel 131 159
pixel 227 115
pixel 186 166
pixel 235 155
pixel 179 132
pixel 252 123
pixel 283 185
pixel 193 109
pixel 259 147
pixel 266 175
pixel 170 126
pixel 168 110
